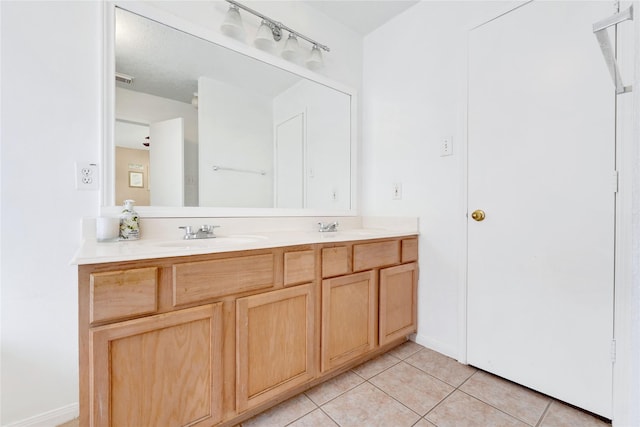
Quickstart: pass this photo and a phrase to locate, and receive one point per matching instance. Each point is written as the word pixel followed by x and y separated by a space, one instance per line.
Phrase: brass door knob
pixel 478 215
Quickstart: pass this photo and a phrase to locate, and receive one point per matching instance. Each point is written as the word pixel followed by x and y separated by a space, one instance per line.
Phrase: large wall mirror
pixel 199 124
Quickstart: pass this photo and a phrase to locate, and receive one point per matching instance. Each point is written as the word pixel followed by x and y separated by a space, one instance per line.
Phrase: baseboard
pixel 439 346
pixel 49 419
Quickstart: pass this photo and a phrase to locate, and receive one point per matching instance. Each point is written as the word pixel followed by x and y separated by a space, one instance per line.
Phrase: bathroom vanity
pixel 172 335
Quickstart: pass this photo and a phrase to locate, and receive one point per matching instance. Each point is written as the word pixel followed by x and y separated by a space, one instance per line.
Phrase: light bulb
pixel 264 37
pixel 290 51
pixel 315 62
pixel 232 24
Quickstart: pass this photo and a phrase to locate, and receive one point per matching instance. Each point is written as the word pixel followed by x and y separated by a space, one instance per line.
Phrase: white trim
pixel 625 382
pixel 108 150
pixel 51 418
pixel 436 345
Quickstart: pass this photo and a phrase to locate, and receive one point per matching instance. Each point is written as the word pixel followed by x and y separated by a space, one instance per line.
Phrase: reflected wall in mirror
pixel 208 126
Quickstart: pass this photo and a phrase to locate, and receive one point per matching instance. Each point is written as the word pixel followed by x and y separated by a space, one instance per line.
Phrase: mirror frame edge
pixel 107 187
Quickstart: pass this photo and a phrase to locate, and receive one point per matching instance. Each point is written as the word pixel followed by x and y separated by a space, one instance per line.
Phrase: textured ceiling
pixel 167 62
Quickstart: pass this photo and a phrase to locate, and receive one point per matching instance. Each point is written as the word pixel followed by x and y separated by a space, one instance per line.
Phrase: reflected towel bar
pixel 222 168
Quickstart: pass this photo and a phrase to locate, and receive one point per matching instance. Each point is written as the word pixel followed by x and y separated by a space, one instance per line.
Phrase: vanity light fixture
pixel 232 24
pixel 194 100
pixel 270 32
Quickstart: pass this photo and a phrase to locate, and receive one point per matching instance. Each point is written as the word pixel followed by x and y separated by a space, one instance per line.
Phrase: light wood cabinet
pixel 123 293
pixel 274 344
pixel 299 267
pixel 398 292
pixel 160 370
pixel 348 318
pixel 213 339
pixel 202 280
pixel 376 254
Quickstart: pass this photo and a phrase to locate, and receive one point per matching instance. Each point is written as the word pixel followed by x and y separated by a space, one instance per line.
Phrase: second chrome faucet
pixel 328 227
pixel 204 232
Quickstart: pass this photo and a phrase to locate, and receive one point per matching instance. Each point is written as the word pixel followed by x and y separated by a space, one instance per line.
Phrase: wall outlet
pixel 86 176
pixel 446 146
pixel 397 191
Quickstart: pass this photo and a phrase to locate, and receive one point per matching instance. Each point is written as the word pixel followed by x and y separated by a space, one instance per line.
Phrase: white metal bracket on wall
pixel 600 30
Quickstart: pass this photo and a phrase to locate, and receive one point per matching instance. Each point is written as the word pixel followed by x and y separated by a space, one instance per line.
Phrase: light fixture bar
pixel 278 24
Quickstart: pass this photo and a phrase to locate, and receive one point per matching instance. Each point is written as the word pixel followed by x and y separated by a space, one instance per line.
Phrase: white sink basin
pixel 209 243
pixel 356 233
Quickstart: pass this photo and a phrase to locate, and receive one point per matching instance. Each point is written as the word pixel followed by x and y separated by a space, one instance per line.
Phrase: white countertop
pixel 92 252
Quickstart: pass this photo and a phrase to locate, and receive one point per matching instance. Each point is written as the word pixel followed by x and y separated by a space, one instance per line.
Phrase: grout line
pixel 393 398
pixel 342 392
pixel 330 417
pixel 438 404
pixel 544 413
pixel 306 413
pixel 497 409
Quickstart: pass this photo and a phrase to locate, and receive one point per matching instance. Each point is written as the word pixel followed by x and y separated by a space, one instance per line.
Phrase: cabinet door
pixel 274 346
pixel 158 371
pixel 349 308
pixel 398 293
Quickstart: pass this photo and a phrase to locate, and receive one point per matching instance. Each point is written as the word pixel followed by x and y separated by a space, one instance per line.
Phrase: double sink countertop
pixel 92 252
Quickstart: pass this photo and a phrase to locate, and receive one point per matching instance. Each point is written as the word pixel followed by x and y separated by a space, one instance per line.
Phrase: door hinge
pixel 614 181
pixel 613 351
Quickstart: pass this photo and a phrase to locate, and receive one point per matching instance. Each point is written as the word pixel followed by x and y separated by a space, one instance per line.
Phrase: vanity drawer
pixel 378 254
pixel 409 250
pixel 121 294
pixel 336 261
pixel 299 267
pixel 197 281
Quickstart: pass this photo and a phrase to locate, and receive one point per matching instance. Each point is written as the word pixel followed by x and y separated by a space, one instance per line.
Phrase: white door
pixel 166 162
pixel 289 176
pixel 541 162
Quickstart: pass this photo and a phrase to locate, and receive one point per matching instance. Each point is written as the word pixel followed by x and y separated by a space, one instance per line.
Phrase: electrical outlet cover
pixel 86 176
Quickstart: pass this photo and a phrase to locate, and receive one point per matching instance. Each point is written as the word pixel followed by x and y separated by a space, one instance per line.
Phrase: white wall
pixel 236 131
pixel 51 116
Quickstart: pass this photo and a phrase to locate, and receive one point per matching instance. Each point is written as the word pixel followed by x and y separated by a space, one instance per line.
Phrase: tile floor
pixel 414 386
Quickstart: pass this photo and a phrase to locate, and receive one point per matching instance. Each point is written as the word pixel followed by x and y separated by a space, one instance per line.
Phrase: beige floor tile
pixel 424 423
pixel 315 418
pixel 283 414
pixel 522 403
pixel 413 388
pixel 405 350
pixel 365 405
pixel 461 410
pixel 560 415
pixel 441 366
pixel 375 366
pixel 326 391
pixel 72 423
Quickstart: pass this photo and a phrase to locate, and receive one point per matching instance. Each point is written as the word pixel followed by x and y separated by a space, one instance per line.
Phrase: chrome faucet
pixel 328 227
pixel 204 232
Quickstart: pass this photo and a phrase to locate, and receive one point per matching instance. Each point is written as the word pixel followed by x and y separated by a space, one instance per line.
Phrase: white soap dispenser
pixel 129 222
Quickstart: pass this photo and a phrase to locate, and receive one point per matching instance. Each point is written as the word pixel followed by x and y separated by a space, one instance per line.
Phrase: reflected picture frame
pixel 136 179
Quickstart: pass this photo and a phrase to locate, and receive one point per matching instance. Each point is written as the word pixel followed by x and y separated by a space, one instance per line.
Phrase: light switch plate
pixel 446 146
